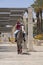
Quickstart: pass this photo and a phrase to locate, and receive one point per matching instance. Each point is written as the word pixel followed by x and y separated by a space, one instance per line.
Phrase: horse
pixel 19 41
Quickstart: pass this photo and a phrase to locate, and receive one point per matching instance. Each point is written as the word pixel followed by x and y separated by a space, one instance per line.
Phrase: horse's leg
pixel 21 50
pixel 17 47
pixel 20 47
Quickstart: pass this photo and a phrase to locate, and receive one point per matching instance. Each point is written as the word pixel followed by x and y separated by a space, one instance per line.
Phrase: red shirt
pixel 18 26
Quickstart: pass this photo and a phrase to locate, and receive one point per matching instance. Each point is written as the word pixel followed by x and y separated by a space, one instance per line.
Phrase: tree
pixel 38 7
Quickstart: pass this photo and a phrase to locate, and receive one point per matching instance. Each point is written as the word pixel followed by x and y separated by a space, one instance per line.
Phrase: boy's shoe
pixel 15 40
pixel 24 39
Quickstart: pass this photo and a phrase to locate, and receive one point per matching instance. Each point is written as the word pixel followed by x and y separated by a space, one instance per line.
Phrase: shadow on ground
pixel 26 53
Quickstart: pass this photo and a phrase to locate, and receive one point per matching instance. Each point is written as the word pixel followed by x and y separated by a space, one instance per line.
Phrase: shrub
pixel 39 36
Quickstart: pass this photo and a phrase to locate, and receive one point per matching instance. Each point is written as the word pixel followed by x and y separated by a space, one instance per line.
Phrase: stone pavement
pixel 9 56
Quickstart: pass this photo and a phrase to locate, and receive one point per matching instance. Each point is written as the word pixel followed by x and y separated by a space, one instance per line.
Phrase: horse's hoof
pixel 24 40
pixel 18 52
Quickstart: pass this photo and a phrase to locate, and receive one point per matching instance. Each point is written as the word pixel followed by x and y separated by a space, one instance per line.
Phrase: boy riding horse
pixel 18 27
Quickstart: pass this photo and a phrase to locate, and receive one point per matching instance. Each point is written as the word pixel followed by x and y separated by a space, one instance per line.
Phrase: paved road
pixel 9 56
